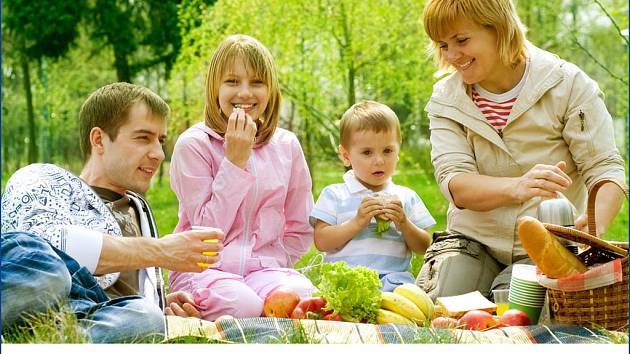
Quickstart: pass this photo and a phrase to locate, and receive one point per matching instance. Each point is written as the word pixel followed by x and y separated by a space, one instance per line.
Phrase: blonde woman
pixel 510 126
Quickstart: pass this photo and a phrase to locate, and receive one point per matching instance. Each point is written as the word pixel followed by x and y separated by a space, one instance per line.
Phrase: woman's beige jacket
pixel 559 115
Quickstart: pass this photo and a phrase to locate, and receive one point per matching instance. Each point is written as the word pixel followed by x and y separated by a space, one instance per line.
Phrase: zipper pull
pixel 581 115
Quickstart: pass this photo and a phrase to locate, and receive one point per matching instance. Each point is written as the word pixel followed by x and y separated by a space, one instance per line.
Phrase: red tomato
pixel 311 308
pixel 329 317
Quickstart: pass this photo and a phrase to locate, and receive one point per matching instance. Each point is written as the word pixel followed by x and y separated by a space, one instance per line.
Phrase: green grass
pixel 52 326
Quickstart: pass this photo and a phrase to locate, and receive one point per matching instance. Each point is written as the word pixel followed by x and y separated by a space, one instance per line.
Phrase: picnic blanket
pixel 283 330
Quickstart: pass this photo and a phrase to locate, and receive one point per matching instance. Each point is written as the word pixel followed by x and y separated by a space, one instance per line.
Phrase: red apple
pixel 281 302
pixel 514 317
pixel 444 322
pixel 476 320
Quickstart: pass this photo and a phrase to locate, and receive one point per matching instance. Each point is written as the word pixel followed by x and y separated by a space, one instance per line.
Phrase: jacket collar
pixel 451 96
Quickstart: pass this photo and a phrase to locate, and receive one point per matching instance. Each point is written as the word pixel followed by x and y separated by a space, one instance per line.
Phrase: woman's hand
pixel 542 181
pixel 239 137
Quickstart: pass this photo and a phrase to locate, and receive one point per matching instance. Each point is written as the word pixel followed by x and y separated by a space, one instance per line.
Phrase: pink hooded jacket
pixel 263 210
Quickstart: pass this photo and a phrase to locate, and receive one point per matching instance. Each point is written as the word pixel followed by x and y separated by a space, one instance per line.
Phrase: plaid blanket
pixel 282 330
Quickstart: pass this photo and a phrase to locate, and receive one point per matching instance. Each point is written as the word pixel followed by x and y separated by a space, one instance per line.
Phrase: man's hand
pixel 181 304
pixel 182 251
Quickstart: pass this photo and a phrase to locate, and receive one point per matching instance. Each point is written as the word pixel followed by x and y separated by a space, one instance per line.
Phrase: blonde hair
pixel 108 108
pixel 367 115
pixel 256 57
pixel 499 15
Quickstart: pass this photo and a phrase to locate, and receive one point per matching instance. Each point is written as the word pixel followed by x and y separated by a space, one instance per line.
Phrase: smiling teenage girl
pixel 511 125
pixel 239 172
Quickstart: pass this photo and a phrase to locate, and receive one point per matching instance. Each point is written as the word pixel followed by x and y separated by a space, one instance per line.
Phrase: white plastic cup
pixel 212 240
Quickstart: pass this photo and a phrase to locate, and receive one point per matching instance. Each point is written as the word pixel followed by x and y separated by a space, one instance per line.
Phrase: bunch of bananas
pixel 408 304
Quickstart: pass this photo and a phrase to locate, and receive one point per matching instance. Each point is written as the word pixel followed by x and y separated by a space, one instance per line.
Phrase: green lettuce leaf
pixel 352 293
pixel 381 226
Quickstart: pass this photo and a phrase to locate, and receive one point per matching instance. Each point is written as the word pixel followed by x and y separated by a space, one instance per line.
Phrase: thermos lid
pixel 557 211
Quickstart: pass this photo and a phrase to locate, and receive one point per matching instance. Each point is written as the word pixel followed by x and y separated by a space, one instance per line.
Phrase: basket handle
pixel 590 207
pixel 582 237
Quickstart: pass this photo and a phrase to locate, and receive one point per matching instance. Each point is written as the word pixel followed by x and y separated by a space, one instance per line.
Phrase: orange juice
pixel 210 253
pixel 206 265
pixel 501 308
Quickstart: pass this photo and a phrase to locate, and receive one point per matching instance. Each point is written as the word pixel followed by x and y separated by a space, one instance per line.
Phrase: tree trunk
pixel 32 125
pixel 46 128
pixel 351 87
pixel 123 71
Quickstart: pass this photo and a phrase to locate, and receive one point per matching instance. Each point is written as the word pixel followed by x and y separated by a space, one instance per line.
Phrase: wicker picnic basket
pixel 603 307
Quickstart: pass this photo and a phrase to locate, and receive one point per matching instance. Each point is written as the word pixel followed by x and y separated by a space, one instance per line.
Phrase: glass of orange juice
pixel 501 300
pixel 212 240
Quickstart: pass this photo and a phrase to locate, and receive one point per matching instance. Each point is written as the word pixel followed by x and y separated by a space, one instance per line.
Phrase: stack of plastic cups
pixel 526 294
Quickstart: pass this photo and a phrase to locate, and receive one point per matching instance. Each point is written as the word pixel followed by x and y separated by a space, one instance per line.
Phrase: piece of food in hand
pixel 281 302
pixel 476 320
pixel 382 225
pixel 444 322
pixel 514 317
pixel 553 259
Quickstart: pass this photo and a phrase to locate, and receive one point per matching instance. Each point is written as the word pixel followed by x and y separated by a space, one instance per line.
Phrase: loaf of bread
pixel 553 259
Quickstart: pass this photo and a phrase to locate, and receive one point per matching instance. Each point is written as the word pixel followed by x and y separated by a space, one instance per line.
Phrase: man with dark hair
pixel 90 242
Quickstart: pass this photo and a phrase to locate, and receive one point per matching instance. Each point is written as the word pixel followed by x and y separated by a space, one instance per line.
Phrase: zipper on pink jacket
pixel 249 214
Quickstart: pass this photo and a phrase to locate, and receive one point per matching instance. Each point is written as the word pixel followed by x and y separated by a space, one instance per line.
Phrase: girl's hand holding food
pixel 239 137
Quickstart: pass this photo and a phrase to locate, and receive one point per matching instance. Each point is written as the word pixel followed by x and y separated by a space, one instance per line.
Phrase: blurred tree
pixel 28 24
pixel 142 34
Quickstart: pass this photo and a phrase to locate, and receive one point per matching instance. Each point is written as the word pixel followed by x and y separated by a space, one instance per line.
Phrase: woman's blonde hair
pixel 257 58
pixel 367 116
pixel 499 15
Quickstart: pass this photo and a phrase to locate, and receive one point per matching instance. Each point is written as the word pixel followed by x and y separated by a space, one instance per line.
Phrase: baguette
pixel 553 259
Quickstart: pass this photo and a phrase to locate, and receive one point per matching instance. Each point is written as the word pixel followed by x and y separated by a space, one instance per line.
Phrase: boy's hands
pixel 239 137
pixel 385 208
pixel 393 211
pixel 369 208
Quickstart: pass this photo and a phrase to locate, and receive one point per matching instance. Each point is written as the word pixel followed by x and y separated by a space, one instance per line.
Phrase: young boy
pixel 344 215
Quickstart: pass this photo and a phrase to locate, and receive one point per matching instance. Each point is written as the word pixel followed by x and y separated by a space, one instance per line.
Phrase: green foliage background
pixel 330 53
